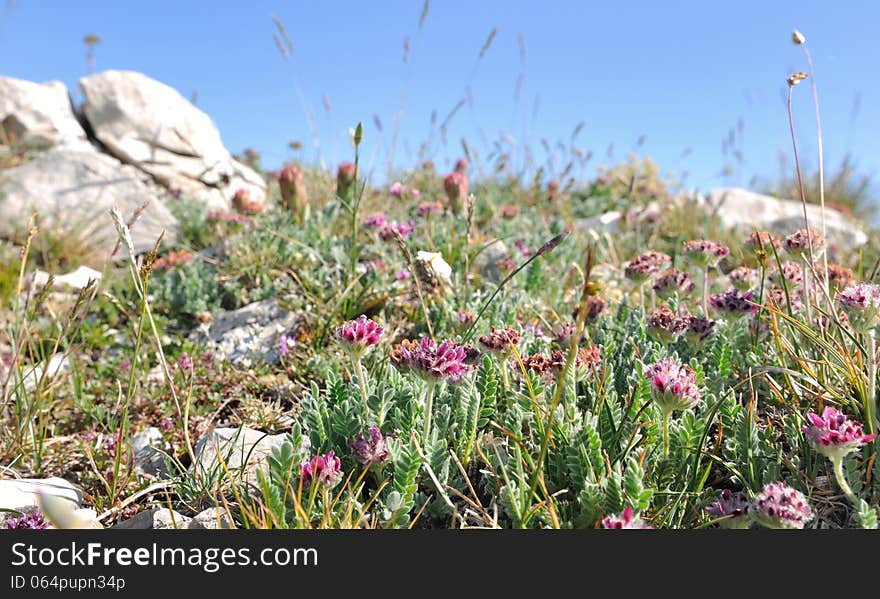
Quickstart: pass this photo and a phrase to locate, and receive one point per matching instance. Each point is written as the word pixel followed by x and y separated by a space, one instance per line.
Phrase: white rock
pixel 243 450
pixel 149 458
pixel 39 115
pixel 16 494
pixel 78 279
pixel 486 261
pixel 608 222
pixel 248 334
pixel 73 191
pixel 148 124
pixel 157 519
pixel 740 208
pixel 58 364
pixel 214 518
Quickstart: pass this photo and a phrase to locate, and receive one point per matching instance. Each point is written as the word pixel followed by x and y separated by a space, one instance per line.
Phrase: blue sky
pixel 681 74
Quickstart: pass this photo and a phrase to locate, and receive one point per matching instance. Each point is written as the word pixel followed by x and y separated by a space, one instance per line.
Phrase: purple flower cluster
pixel 626 519
pixel 834 435
pixel 780 506
pixel 800 240
pixel 185 362
pixel 377 220
pixel 426 209
pixel 734 302
pixel 359 334
pixel 743 277
pixel 499 341
pixel 393 228
pixel 665 324
pixel 324 469
pixel 284 344
pixel 32 521
pixel 705 252
pixel 433 362
pixel 698 329
pixel 861 303
pixel 644 266
pixel 370 448
pixel 791 272
pixel 732 509
pixel 673 385
pixel 673 281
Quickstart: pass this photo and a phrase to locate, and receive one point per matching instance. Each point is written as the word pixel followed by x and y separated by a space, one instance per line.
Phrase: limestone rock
pixel 73 191
pixel 243 450
pixel 22 493
pixel 38 116
pixel 148 124
pixel 248 334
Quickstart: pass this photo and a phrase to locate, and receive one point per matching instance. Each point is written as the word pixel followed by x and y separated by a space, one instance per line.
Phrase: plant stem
pixel 871 343
pixel 821 154
pixel 429 407
pixel 361 375
pixel 797 165
pixel 706 291
pixel 666 415
pixel 837 463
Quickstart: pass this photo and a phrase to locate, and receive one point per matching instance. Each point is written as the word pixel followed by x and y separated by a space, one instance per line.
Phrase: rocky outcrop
pixel 38 115
pixel 747 210
pixel 149 125
pixel 72 191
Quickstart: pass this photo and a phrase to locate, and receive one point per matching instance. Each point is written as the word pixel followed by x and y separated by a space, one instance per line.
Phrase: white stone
pixel 39 115
pixel 243 451
pixel 214 518
pixel 157 519
pixel 16 494
pixel 77 279
pixel 248 334
pixel 747 210
pixel 73 191
pixel 148 124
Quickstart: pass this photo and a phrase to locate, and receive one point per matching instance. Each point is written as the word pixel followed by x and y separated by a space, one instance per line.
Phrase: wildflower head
pixel 797 38
pixel 284 344
pixel 32 521
pixel 566 333
pixel 698 329
pixel 791 273
pixel 743 278
pixel 734 303
pixel 294 197
pixel 501 341
pixel 402 274
pixel 731 509
pixel 345 179
pixel 861 304
pixel 645 266
pixel 705 252
pixel 185 362
pixel 763 240
pixel 834 435
pixel 456 186
pixel 626 519
pixel 396 189
pixel 673 385
pixel 369 448
pixel 392 228
pixel 243 204
pixel 780 506
pixel 377 220
pixel 838 276
pixel 673 281
pixel 427 209
pixel 359 334
pixel 800 240
pixel 665 325
pixel 433 362
pixel 322 469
